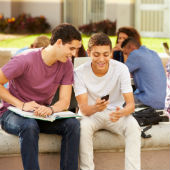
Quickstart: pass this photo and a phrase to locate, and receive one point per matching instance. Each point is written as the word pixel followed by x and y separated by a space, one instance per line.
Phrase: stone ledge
pixel 103 141
pixel 6 54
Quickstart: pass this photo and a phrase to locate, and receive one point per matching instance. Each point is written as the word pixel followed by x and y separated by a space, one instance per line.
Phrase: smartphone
pixel 105 97
pixel 166 47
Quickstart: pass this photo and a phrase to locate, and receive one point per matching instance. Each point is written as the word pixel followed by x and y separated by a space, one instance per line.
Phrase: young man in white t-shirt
pixel 99 77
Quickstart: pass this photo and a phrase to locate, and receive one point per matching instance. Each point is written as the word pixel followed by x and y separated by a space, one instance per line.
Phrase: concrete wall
pixel 122 11
pixel 5 8
pixel 51 9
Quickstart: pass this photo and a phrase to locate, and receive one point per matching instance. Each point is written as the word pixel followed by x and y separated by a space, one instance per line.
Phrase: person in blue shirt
pixel 148 73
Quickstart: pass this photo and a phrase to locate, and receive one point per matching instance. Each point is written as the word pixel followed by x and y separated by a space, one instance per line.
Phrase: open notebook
pixel 54 116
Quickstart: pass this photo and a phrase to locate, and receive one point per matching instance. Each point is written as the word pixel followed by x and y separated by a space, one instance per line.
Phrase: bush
pixel 3 23
pixel 24 23
pixel 106 26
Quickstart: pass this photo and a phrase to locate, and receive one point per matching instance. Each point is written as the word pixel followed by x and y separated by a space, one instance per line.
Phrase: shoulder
pixel 30 56
pixel 27 54
pixel 141 51
pixel 68 66
pixel 137 55
pixel 117 65
pixel 83 67
pixel 68 63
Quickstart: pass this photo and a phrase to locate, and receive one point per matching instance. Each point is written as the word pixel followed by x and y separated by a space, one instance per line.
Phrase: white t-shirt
pixel 115 82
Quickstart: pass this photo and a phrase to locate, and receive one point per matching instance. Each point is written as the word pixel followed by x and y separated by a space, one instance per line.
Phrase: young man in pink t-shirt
pixel 34 77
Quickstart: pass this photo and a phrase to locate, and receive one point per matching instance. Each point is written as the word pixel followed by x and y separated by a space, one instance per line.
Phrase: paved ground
pixel 150 160
pixel 7 36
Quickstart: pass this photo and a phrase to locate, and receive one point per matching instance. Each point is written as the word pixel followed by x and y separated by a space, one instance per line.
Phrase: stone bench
pixel 108 148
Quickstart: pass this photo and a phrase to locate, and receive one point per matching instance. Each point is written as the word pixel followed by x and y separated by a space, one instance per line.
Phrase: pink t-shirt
pixel 30 79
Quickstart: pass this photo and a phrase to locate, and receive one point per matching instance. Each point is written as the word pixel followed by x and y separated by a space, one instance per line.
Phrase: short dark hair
pixel 99 39
pixel 66 32
pixel 130 40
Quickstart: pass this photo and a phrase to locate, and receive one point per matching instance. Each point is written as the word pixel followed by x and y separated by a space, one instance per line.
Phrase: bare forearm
pixel 128 109
pixel 88 110
pixel 9 98
pixel 60 105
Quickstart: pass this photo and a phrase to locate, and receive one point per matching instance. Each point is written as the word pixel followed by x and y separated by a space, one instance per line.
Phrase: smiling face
pixel 100 55
pixel 68 50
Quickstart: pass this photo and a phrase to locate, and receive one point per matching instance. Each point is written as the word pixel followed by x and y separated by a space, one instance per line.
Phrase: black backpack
pixel 148 117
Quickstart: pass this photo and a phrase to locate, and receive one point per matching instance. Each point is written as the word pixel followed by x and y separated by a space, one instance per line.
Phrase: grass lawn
pixel 24 41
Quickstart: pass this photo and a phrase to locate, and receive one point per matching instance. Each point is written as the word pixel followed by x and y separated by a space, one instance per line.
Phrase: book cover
pixel 54 116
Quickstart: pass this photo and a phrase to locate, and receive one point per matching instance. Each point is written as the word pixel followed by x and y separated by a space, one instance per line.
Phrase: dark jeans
pixel 28 131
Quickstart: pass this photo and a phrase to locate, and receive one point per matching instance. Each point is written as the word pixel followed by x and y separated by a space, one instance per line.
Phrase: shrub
pixel 106 26
pixel 3 23
pixel 24 23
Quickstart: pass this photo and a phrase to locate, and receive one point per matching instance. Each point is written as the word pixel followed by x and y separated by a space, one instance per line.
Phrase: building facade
pixel 150 17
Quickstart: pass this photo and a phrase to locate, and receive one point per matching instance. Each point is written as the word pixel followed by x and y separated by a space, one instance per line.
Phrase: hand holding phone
pixel 105 97
pixel 101 103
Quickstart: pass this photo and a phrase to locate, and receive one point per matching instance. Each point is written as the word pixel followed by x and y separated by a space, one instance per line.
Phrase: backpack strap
pixel 143 134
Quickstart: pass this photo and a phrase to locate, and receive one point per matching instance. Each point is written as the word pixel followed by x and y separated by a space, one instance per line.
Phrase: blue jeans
pixel 28 131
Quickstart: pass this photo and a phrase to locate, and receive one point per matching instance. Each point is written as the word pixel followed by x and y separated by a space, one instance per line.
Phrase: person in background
pixel 122 34
pixel 34 77
pixel 80 53
pixel 40 41
pixel 96 78
pixel 148 74
pixel 167 100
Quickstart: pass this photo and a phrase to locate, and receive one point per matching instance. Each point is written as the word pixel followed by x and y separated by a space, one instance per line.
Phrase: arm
pixel 61 105
pixel 6 95
pixel 64 98
pixel 127 110
pixel 88 110
pixel 133 62
pixel 130 105
pixel 9 98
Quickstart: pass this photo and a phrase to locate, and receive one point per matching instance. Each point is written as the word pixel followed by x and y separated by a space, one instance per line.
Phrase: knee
pixel 132 126
pixel 30 127
pixel 86 127
pixel 73 125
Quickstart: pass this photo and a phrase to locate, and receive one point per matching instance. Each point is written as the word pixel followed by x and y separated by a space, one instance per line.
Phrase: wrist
pixel 23 106
pixel 52 109
pixel 19 105
pixel 95 109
